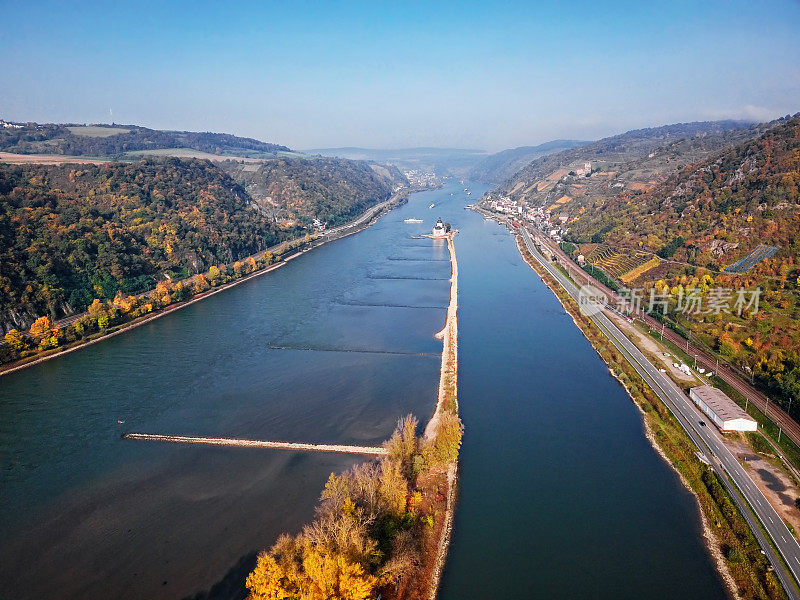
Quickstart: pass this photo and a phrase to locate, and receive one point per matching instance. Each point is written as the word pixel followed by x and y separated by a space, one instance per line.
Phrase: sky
pixel 488 75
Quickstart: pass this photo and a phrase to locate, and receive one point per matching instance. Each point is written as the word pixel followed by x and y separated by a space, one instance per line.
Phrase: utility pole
pixel 779 434
pixel 662 331
pixel 695 362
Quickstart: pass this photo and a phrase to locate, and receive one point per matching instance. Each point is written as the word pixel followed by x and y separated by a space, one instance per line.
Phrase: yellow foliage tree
pixel 40 328
pixel 268 580
pixel 214 275
pixel 15 339
pixel 123 303
pixel 96 308
pixel 317 575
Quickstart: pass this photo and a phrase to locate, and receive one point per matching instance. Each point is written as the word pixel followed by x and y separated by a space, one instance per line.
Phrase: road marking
pixel 770 519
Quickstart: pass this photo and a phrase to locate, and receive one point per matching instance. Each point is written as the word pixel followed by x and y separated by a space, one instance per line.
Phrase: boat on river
pixel 412 220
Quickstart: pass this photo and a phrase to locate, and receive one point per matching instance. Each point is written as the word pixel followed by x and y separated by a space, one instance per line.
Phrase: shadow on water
pixel 230 587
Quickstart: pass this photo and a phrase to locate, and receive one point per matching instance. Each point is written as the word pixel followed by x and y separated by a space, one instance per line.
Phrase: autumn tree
pixel 200 283
pixel 448 437
pixel 40 328
pixel 15 339
pixel 403 446
pixel 96 308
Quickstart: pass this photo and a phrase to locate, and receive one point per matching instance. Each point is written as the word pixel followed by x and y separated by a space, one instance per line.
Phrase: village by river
pixel 560 494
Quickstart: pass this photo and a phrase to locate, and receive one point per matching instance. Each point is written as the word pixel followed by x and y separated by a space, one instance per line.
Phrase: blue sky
pixel 467 74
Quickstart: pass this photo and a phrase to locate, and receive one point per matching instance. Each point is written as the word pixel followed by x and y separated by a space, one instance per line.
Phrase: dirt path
pixel 775 483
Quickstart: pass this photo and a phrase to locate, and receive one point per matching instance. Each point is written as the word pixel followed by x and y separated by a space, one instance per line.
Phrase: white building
pixel 726 414
pixel 438 229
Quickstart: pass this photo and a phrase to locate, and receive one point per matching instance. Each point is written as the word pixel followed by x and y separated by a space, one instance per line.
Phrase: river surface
pixel 561 495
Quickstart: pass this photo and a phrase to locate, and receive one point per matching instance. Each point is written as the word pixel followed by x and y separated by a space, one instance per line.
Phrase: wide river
pixel 561 495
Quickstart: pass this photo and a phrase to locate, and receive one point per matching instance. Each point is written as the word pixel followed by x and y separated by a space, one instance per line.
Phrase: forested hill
pixel 114 141
pixel 741 196
pixel 741 204
pixel 501 166
pixel 72 233
pixel 332 190
pixel 676 144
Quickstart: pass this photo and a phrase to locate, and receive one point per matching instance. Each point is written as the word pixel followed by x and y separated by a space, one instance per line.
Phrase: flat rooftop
pixel 718 401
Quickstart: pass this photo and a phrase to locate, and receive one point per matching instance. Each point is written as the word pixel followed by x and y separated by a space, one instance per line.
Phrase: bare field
pixel 189 153
pixel 98 132
pixel 47 159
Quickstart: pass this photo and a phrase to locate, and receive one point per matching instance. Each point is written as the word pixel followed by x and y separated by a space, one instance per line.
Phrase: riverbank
pixel 730 543
pixel 300 247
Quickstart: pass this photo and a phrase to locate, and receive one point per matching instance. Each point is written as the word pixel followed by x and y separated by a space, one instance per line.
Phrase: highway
pixel 706 438
pixel 704 358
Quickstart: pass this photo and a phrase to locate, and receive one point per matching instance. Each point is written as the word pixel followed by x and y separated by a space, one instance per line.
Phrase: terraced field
pixel 624 265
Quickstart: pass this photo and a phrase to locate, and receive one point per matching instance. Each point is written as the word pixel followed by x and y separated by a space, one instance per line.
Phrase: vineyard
pixel 625 266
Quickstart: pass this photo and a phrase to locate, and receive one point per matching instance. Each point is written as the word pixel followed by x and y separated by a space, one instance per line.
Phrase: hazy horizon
pixel 450 75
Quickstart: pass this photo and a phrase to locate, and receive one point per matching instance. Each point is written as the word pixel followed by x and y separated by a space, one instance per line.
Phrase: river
pixel 561 495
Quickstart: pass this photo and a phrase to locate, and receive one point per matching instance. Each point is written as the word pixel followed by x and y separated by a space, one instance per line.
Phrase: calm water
pixel 561 495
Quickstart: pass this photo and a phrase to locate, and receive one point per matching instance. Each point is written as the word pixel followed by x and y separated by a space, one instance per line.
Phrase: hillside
pixel 72 233
pixel 329 189
pixel 499 167
pixel 733 196
pixel 740 206
pixel 633 161
pixel 114 141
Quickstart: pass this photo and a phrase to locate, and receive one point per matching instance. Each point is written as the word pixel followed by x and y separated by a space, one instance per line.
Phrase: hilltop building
pixel 726 414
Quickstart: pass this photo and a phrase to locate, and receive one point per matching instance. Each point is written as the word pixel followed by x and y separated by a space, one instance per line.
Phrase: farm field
pixel 95 131
pixel 625 266
pixel 47 159
pixel 191 153
pixel 188 153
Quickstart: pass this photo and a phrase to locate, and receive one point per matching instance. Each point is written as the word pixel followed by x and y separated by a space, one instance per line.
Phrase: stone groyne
pixel 243 443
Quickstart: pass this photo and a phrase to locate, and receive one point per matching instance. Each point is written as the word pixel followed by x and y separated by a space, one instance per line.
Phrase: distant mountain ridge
pixel 114 141
pixel 501 166
pixel 441 161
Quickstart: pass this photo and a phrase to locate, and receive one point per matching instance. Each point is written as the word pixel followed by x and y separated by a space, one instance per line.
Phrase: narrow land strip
pixel 448 380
